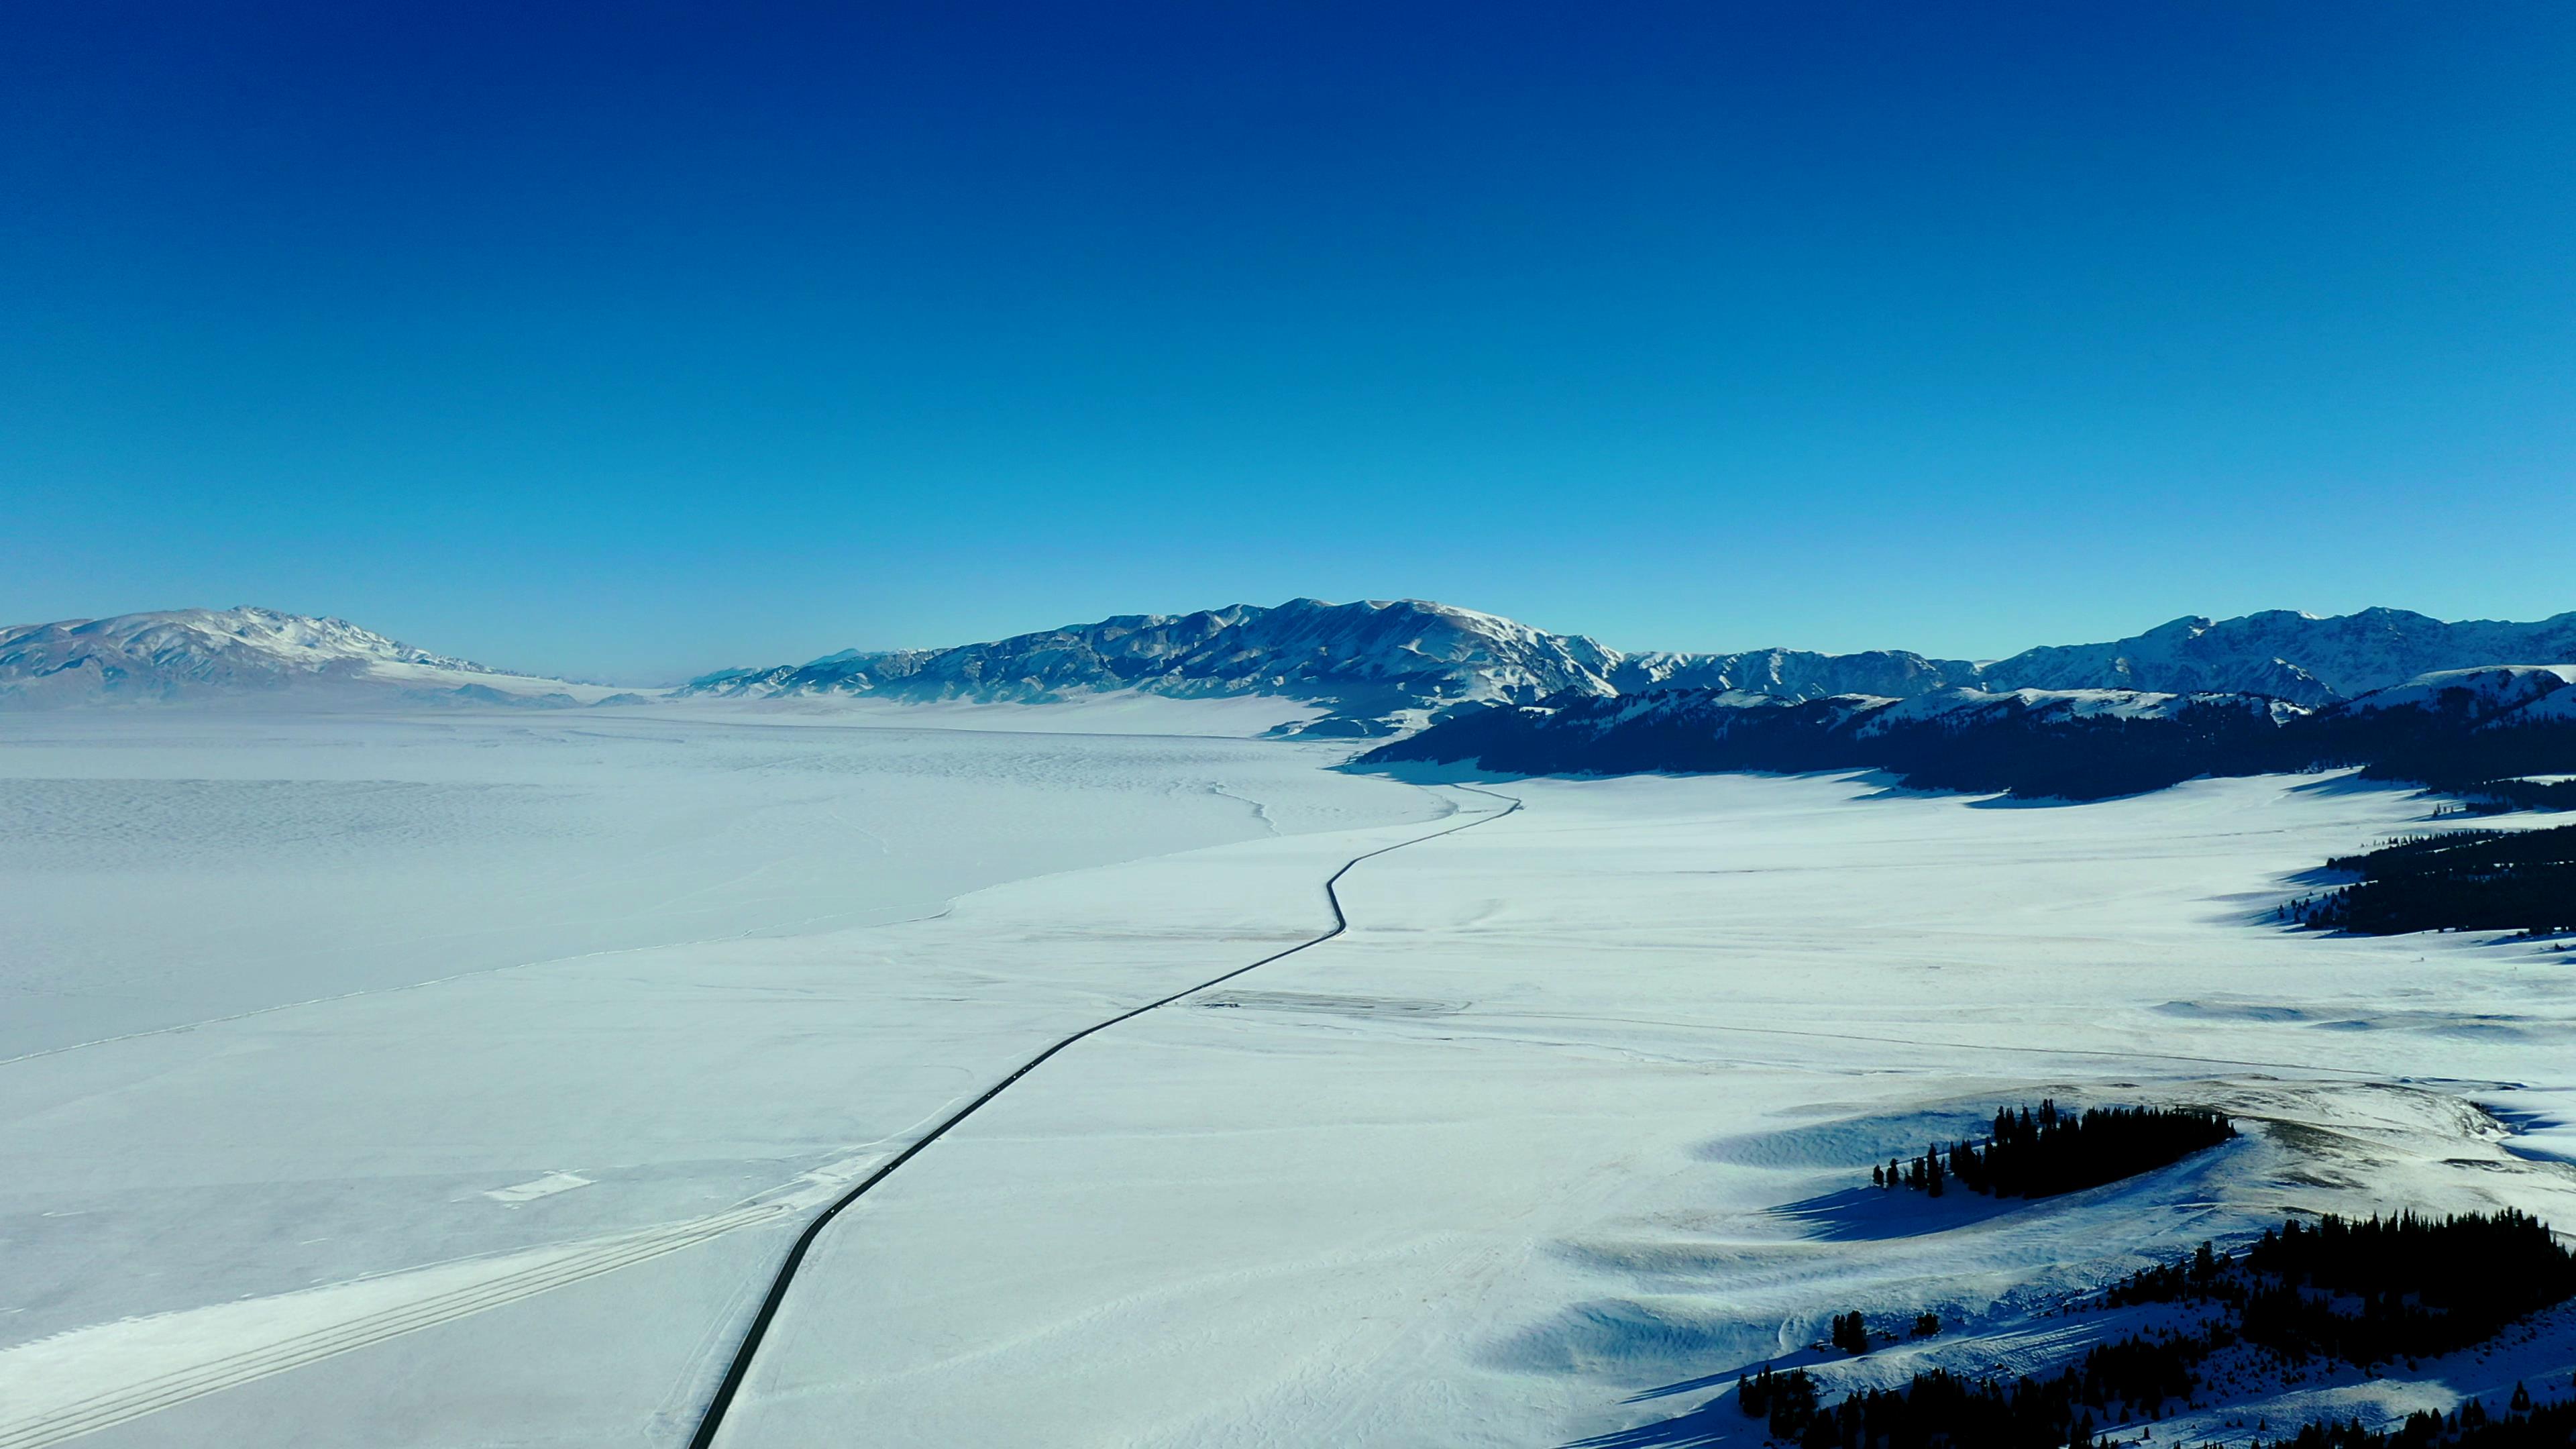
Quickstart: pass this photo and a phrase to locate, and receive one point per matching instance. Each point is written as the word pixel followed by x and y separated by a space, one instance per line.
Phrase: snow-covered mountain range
pixel 2299 657
pixel 201 653
pixel 1381 666
pixel 1373 665
pixel 1367 668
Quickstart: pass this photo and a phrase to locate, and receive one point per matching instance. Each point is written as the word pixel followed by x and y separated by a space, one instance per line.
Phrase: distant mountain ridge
pixel 2304 658
pixel 1367 668
pixel 180 654
pixel 1374 666
pixel 1388 666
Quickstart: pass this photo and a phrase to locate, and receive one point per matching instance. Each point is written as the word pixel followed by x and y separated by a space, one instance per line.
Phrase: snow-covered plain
pixel 1571 1116
pixel 164 867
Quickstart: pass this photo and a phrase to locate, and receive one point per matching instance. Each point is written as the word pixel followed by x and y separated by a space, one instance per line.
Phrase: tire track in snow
pixel 713 1422
pixel 167 1390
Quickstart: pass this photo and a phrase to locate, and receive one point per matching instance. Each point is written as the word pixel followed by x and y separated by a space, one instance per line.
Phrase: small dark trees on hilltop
pixel 2425 1285
pixel 2043 1153
pixel 1925 1174
pixel 2550 1426
pixel 2372 1290
pixel 2359 1291
pixel 1787 1401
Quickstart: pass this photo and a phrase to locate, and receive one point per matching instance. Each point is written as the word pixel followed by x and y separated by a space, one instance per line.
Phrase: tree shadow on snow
pixel 1715 1422
pixel 1873 1214
pixel 1719 1421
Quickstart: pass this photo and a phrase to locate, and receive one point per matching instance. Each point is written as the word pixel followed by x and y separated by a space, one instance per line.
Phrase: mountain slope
pixel 1384 667
pixel 2299 657
pixel 196 653
pixel 1374 665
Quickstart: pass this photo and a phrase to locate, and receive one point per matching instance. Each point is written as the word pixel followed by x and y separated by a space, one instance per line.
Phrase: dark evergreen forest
pixel 2047 1152
pixel 2029 753
pixel 2360 1292
pixel 2551 1426
pixel 2459 882
pixel 2477 880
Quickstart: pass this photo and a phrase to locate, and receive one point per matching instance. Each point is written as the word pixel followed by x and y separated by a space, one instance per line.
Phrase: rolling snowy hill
pixel 198 653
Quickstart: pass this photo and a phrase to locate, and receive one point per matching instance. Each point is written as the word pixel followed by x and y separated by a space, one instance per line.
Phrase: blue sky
pixel 630 340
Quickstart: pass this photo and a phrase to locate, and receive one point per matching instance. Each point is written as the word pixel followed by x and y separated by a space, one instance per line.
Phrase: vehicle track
pixel 168 1390
pixel 713 1421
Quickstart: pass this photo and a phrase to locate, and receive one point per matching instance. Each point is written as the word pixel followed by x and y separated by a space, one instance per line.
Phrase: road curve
pixel 713 1422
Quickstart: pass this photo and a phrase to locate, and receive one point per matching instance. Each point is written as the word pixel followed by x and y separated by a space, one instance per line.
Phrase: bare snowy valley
pixel 406 1068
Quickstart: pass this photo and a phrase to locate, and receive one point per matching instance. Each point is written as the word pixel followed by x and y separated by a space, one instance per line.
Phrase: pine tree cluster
pixel 1936 1409
pixel 2449 744
pixel 2470 1426
pixel 2374 1290
pixel 2469 880
pixel 2047 1152
pixel 2362 1291
pixel 1787 1401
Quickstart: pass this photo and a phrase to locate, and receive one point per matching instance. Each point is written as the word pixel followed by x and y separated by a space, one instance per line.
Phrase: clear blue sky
pixel 635 339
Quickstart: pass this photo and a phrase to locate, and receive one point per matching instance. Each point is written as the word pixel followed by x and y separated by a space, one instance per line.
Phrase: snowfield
pixel 1571 1125
pixel 166 867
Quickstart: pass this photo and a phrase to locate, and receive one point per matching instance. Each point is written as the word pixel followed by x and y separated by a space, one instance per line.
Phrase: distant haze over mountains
pixel 1371 667
pixel 1389 665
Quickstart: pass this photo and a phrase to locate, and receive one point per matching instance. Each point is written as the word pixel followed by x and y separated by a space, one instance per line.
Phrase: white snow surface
pixel 1080 712
pixel 164 867
pixel 1560 1135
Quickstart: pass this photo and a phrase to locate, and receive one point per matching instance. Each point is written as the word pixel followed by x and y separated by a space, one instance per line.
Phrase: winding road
pixel 248 1341
pixel 712 1424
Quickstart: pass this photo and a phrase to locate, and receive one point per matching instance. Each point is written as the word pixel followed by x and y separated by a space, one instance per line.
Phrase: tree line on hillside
pixel 2470 1426
pixel 2359 1291
pixel 2028 752
pixel 2419 1286
pixel 2047 1152
pixel 2474 880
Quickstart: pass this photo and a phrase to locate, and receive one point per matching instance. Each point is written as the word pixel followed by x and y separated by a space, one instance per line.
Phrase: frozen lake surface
pixel 1562 1127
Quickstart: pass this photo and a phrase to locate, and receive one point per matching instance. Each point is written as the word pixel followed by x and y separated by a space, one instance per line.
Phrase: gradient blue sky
pixel 631 340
